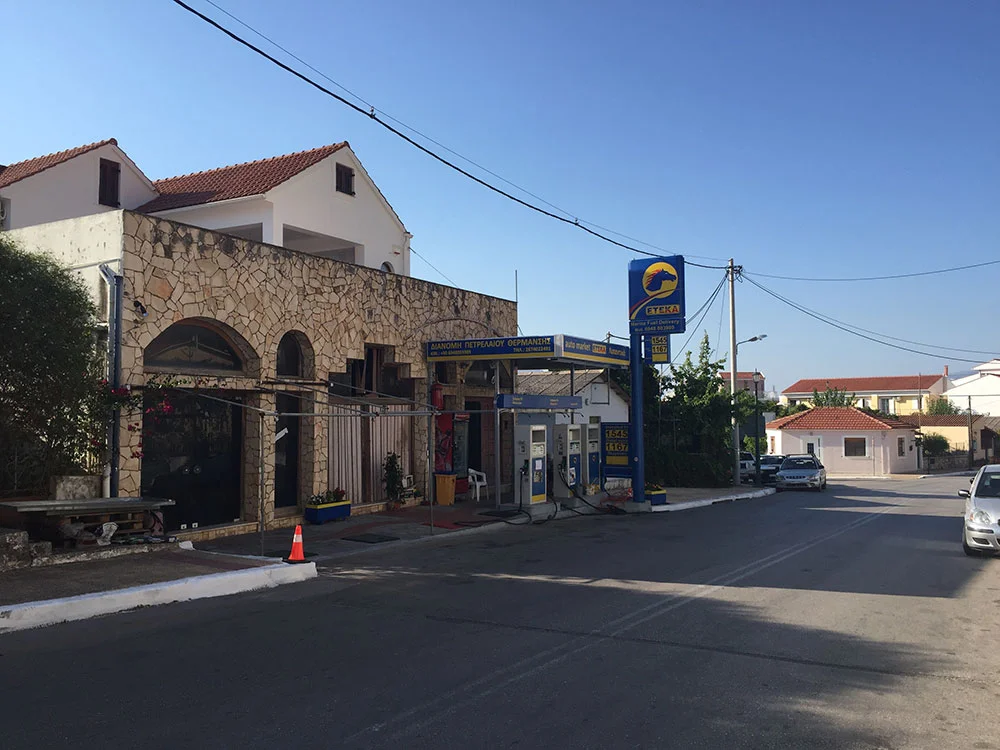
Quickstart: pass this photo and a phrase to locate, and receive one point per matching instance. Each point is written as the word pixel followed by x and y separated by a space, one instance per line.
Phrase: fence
pixel 359 444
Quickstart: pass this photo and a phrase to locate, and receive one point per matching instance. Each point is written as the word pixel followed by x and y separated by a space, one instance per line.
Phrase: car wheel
pixel 970 551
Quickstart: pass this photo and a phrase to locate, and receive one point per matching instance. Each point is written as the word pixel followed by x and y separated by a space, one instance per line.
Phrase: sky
pixel 804 139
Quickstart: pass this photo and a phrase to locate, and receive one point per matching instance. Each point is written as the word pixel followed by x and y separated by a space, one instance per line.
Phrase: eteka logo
pixel 660 280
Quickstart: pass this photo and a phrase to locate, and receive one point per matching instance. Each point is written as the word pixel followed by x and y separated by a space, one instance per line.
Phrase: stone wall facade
pixel 256 294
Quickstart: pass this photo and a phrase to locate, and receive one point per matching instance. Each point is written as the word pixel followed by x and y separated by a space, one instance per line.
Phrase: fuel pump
pixel 566 449
pixel 530 443
pixel 591 459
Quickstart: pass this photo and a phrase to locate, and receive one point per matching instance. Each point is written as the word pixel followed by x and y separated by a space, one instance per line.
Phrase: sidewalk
pixel 34 597
pixel 362 533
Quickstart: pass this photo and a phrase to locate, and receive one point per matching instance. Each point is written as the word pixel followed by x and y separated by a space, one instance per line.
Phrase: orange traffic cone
pixel 297 555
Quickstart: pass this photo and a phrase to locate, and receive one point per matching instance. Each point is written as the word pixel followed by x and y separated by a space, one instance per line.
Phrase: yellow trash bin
pixel 445 484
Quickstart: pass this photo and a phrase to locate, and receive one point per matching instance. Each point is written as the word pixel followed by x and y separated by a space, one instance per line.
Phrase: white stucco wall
pixel 76 242
pixel 983 388
pixel 228 214
pixel 310 201
pixel 594 396
pixel 70 189
pixel 881 450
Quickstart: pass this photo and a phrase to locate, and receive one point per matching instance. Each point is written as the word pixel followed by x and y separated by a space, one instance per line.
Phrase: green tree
pixel 689 436
pixel 935 445
pixel 786 410
pixel 941 405
pixel 49 403
pixel 833 397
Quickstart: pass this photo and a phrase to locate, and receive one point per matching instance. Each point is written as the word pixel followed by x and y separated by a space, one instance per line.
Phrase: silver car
pixel 982 511
pixel 803 472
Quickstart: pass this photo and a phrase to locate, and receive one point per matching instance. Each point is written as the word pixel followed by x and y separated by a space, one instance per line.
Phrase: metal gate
pixel 359 444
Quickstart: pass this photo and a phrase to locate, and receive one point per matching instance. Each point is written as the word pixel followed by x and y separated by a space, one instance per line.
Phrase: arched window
pixel 387 267
pixel 289 356
pixel 191 346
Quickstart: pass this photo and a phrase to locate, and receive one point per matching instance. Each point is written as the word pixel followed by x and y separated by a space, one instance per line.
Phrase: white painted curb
pixel 52 611
pixel 966 473
pixel 713 501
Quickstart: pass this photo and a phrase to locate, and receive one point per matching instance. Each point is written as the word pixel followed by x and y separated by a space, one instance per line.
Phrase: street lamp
pixel 732 394
pixel 757 377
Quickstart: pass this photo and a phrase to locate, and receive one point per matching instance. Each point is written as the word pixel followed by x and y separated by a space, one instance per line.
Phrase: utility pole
pixel 971 456
pixel 732 370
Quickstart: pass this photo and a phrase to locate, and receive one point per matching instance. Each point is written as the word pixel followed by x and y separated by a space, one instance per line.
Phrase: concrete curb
pixel 51 611
pixel 713 501
pixel 966 473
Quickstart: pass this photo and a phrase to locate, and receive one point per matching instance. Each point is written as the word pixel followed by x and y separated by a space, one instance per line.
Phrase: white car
pixel 982 512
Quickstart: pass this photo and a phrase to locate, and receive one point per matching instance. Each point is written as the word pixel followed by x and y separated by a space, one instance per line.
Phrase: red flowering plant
pixel 151 400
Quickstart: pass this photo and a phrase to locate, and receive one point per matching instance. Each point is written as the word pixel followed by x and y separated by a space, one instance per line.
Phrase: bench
pixel 43 518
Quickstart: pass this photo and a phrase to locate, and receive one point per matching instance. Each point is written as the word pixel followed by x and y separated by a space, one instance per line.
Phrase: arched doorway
pixel 192 451
pixel 294 360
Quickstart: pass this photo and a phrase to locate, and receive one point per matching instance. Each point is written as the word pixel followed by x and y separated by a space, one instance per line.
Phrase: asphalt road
pixel 849 618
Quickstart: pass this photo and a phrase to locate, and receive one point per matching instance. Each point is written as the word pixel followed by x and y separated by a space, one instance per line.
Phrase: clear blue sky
pixel 806 139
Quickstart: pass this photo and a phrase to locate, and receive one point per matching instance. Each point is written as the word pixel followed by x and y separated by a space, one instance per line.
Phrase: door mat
pixel 502 513
pixel 370 538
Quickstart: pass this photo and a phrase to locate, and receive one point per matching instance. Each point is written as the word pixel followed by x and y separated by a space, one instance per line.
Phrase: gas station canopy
pixel 532 352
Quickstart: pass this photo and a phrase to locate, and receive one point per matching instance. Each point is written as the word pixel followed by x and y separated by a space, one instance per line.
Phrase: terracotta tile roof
pixel 236 181
pixel 865 385
pixel 15 172
pixel 938 420
pixel 846 418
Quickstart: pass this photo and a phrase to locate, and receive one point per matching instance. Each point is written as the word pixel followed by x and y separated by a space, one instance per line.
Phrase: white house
pixel 981 390
pixel 79 182
pixel 321 201
pixel 848 441
pixel 603 399
pixel 894 394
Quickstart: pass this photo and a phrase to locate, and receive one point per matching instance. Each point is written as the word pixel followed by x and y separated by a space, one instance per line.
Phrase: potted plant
pixel 327 506
pixel 392 478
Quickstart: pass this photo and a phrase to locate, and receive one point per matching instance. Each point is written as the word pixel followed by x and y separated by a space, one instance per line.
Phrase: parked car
pixel 769 466
pixel 982 512
pixel 801 472
pixel 746 466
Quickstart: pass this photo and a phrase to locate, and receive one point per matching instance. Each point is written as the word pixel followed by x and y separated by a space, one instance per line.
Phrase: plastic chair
pixel 478 479
pixel 409 487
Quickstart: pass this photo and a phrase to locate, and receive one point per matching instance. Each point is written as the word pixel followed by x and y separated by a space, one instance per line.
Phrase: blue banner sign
pixel 594 351
pixel 614 450
pixel 656 295
pixel 514 347
pixel 531 401
pixel 656 349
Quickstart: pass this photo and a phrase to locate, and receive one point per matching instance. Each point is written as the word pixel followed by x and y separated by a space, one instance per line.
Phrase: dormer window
pixel 108 188
pixel 345 179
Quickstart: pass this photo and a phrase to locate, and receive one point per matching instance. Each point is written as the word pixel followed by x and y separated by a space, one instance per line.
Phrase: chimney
pixel 946 371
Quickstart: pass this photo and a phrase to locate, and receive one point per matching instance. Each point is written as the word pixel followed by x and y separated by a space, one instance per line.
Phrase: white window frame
pixel 843 446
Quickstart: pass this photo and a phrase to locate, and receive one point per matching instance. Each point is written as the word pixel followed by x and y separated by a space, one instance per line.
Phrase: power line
pixel 880 278
pixel 443 274
pixel 371 114
pixel 897 338
pixel 843 327
pixel 705 307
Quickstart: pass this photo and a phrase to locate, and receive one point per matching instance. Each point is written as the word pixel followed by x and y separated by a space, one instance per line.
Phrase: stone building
pixel 260 327
pixel 295 370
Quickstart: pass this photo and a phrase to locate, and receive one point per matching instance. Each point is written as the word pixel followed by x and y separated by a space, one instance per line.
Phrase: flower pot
pixel 327 512
pixel 656 497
